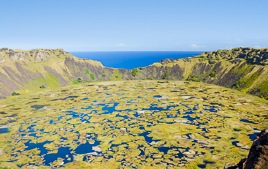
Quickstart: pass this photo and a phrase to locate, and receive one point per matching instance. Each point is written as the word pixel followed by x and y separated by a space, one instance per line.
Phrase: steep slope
pixel 245 69
pixel 46 68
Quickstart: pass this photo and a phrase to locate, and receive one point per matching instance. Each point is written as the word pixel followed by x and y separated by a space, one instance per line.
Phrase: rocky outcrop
pixel 32 55
pixel 258 154
pixel 251 55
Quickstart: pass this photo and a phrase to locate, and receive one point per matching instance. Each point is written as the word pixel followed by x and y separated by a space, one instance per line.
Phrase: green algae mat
pixel 129 124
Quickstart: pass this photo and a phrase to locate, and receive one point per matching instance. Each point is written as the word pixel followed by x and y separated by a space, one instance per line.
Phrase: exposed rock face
pixel 258 155
pixel 17 56
pixel 34 55
pixel 251 55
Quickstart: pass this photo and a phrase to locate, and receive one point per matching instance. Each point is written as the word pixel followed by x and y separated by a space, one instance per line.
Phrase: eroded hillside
pixel 244 69
pixel 25 71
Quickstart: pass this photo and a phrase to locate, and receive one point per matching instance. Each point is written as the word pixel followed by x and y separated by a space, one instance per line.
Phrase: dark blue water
pixel 205 164
pixel 3 130
pixel 38 106
pixel 190 118
pixel 157 96
pixel 86 148
pixel 164 149
pixel 130 60
pixel 254 135
pixel 63 152
pixel 247 121
pixel 146 137
pixel 109 110
pixel 29 146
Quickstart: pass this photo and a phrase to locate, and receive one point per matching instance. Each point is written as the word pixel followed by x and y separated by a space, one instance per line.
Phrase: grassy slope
pixel 250 77
pixel 33 64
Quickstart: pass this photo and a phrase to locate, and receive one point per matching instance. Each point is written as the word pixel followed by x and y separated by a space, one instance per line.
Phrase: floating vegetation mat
pixel 130 124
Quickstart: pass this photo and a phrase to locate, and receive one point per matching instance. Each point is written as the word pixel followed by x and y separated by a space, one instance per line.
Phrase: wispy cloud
pixel 120 45
pixel 196 46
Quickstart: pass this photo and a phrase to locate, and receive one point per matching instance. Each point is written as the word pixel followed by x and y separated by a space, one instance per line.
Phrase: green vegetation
pixel 92 76
pixel 212 74
pixel 211 62
pixel 15 94
pixel 264 90
pixel 200 136
pixel 249 55
pixel 242 69
pixel 77 81
pixel 87 71
pixel 193 78
pixel 116 75
pixel 56 68
pixel 165 77
pixel 261 90
pixel 42 87
pixel 50 80
pixel 134 72
pixel 246 82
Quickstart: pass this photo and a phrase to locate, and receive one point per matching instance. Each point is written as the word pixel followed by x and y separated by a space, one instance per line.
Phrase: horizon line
pixel 143 51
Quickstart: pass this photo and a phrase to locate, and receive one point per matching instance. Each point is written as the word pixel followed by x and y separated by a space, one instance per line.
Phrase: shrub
pixel 77 81
pixel 211 62
pixel 212 74
pixel 193 78
pixel 15 94
pixel 42 86
pixel 134 72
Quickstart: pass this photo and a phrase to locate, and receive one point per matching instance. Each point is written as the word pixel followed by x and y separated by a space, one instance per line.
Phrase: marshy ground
pixel 130 124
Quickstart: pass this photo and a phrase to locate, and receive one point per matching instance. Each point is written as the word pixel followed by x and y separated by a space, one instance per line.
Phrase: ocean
pixel 130 60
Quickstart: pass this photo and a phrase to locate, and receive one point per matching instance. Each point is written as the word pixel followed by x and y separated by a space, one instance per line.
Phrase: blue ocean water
pixel 130 60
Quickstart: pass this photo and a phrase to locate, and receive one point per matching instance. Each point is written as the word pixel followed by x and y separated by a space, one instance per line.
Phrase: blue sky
pixel 133 25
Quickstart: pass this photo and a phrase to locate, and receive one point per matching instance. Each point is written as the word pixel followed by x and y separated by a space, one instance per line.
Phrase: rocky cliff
pixel 244 69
